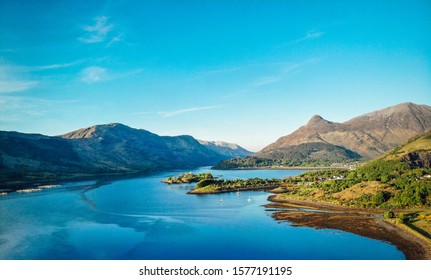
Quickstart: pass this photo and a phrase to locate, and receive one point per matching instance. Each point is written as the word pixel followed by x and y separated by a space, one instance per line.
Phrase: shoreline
pixel 364 222
pixel 288 168
pixel 260 188
pixel 323 205
pixel 14 186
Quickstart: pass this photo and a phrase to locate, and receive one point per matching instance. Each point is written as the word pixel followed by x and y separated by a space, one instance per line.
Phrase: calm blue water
pixel 142 218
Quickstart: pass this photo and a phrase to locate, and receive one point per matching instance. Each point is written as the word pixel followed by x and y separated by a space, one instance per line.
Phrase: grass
pixel 206 189
pixel 421 222
pixel 421 144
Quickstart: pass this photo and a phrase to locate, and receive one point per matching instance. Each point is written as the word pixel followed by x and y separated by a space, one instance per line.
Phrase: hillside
pixel 230 150
pixel 395 180
pixel 364 137
pixel 397 184
pixel 98 150
pixel 33 155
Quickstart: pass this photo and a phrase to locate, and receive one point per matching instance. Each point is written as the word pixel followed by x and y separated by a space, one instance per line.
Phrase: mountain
pixel 370 135
pixel 102 149
pixel 228 149
pixel 323 142
pixel 119 146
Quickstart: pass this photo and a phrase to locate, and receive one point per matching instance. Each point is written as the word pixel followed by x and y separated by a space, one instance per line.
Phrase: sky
pixel 246 72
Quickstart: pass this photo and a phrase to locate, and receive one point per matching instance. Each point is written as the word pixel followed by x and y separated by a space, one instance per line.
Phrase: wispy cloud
pixel 282 74
pixel 98 32
pixel 53 66
pixel 16 108
pixel 16 85
pixel 188 110
pixel 311 35
pixel 94 74
pixel 266 80
pixel 17 78
pixel 22 68
pixel 314 34
pixel 11 81
pixel 115 39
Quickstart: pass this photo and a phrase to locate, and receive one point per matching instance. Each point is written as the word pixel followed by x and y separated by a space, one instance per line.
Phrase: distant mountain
pixel 228 149
pixel 365 137
pixel 102 149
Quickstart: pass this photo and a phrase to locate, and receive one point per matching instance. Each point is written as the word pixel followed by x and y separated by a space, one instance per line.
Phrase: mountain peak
pixel 369 135
pixel 96 131
pixel 317 120
pixel 408 105
pixel 316 117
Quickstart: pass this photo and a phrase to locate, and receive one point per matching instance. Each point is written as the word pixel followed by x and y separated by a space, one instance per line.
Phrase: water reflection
pixel 141 218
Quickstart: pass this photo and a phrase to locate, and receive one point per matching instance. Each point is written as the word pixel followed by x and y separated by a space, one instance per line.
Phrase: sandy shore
pixel 364 222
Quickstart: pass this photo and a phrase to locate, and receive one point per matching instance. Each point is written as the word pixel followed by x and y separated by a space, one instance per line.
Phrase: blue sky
pixel 246 72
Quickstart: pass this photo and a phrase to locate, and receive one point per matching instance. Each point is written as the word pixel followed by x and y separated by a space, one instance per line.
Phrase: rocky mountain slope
pixel 370 135
pixel 321 141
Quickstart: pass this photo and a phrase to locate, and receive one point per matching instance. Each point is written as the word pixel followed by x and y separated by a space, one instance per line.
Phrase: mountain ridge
pixel 107 149
pixel 369 135
pixel 384 129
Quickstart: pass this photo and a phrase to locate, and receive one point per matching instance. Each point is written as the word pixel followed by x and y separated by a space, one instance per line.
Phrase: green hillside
pixel 418 144
pixel 398 179
pixel 398 184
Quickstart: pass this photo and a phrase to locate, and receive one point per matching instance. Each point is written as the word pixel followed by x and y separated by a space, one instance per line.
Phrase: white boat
pixel 249 199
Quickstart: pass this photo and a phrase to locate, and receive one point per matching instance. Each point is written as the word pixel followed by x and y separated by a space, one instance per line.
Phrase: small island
pixel 187 178
pixel 209 184
pixel 222 185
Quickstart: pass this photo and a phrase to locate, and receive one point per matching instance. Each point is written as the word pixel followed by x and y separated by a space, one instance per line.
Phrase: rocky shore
pixel 364 222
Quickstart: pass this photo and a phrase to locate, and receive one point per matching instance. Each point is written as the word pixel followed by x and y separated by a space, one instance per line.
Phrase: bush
pixel 205 183
pixel 403 218
pixel 389 215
